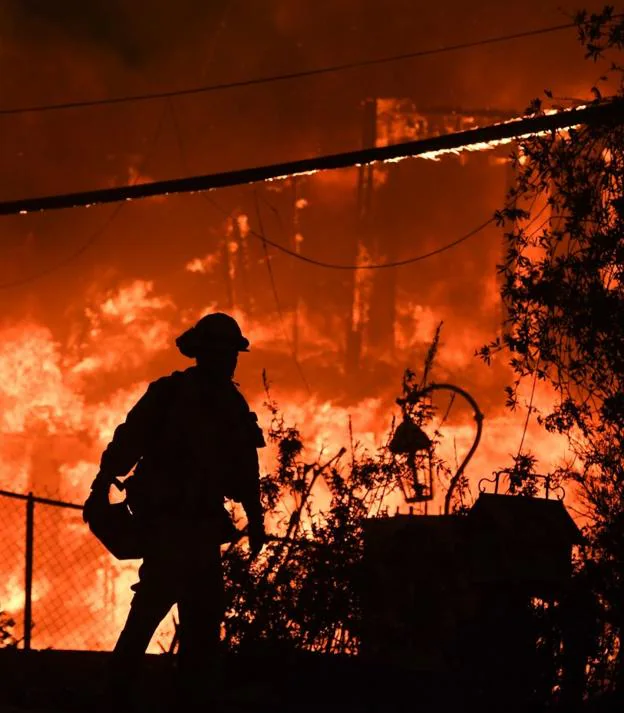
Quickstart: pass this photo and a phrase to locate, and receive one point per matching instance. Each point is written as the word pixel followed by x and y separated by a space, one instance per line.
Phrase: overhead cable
pixel 96 234
pixel 394 263
pixel 329 69
pixel 477 139
pixel 379 265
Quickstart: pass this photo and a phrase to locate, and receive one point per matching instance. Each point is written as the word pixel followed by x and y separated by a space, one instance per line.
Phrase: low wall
pixel 74 680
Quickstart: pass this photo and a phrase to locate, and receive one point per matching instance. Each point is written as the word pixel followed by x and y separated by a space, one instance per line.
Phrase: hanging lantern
pixel 410 441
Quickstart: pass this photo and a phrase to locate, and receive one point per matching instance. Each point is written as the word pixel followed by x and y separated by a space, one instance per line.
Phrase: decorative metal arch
pixel 558 490
pixel 478 417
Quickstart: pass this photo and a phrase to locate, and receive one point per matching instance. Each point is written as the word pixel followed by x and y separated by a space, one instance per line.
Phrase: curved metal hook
pixel 558 491
pixel 482 487
pixel 478 417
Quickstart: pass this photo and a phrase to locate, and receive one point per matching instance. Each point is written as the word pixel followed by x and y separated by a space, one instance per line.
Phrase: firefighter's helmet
pixel 212 331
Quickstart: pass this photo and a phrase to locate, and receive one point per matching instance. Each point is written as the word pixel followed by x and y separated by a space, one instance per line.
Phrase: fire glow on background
pixel 57 416
pixel 78 348
pixel 61 399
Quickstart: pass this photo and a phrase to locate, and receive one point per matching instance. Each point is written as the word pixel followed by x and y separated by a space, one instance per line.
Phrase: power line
pixel 384 265
pixel 220 209
pixel 330 69
pixel 278 304
pixel 476 139
pixel 380 265
pixel 96 234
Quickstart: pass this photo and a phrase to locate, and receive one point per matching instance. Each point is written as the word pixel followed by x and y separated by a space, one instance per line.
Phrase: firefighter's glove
pixel 257 538
pixel 101 483
pixel 99 492
pixel 89 506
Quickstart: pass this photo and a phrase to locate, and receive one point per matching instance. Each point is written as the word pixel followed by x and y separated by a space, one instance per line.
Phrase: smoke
pixel 54 52
pixel 92 300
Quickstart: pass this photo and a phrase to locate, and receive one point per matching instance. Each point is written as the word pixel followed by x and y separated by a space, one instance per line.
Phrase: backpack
pixel 120 526
pixel 202 448
pixel 122 533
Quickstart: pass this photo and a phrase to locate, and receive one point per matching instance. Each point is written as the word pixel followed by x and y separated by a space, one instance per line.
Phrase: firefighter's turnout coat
pixel 192 441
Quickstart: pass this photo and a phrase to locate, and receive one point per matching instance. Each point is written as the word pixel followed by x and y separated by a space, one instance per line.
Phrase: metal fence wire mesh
pixel 12 561
pixel 59 585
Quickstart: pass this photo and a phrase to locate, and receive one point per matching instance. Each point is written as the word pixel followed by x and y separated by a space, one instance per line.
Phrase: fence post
pixel 28 583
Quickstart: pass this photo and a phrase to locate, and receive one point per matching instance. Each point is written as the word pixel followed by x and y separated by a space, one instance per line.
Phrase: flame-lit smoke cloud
pixel 79 344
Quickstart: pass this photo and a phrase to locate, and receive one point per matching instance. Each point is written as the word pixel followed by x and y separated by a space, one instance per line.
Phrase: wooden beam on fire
pixel 478 138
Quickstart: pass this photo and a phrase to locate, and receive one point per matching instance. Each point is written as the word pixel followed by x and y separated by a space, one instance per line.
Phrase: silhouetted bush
pixel 304 591
pixel 563 288
pixel 7 637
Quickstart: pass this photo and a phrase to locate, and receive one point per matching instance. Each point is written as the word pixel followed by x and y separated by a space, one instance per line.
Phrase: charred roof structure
pixel 451 597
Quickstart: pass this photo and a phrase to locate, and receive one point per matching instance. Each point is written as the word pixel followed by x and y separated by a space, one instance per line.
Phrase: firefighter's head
pixel 214 342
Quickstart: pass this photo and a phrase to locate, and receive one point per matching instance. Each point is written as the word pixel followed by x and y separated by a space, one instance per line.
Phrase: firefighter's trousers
pixel 182 566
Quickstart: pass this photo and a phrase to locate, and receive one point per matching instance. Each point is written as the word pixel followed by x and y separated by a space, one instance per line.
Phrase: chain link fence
pixel 59 585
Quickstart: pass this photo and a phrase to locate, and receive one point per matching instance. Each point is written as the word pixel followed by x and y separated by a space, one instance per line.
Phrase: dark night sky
pixel 74 50
pixel 61 51
pixel 67 50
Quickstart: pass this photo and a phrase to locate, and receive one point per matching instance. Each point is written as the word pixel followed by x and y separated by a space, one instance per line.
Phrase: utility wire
pixel 485 137
pixel 384 265
pixel 380 265
pixel 220 209
pixel 330 69
pixel 280 312
pixel 97 233
pixel 373 266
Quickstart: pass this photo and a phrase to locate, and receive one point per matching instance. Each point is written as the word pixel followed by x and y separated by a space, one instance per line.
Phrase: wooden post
pixel 28 575
pixel 605 112
pixel 226 263
pixel 360 295
pixel 296 246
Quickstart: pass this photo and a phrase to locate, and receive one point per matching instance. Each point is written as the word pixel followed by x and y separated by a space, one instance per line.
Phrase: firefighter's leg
pixel 153 598
pixel 201 613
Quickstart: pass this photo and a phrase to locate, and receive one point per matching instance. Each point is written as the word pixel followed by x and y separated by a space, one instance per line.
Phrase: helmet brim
pixel 192 343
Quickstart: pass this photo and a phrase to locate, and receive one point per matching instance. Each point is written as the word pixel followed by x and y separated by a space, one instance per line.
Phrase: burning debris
pixel 64 395
pixel 68 382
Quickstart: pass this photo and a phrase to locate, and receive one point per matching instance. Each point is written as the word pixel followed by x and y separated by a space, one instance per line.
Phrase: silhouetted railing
pixel 548 487
pixel 62 589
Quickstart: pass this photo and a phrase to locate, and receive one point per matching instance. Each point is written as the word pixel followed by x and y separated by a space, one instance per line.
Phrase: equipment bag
pixel 117 528
pixel 113 524
pixel 116 525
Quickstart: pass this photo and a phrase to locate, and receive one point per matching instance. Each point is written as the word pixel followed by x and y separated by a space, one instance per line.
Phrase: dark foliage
pixel 563 287
pixel 7 637
pixel 303 592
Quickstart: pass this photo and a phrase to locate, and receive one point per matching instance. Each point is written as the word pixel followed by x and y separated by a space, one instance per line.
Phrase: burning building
pixel 93 299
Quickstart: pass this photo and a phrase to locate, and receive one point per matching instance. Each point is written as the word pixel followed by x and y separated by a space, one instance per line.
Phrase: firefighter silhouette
pixel 192 441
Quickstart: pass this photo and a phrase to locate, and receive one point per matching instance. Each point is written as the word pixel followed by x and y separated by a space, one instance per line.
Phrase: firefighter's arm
pixel 131 437
pixel 250 493
pixel 250 499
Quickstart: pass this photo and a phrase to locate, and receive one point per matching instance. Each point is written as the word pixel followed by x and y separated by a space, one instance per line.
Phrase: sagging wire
pixel 100 230
pixel 330 69
pixel 267 259
pixel 375 266
pixel 220 209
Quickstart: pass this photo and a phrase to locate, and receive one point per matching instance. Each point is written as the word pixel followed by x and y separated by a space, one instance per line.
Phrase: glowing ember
pixel 46 408
pixel 62 396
